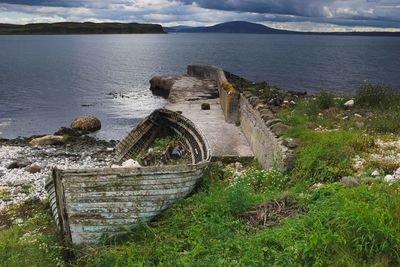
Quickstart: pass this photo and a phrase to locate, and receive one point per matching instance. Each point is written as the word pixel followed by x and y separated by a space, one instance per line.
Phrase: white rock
pixel 130 163
pixel 397 174
pixel 375 173
pixel 389 178
pixel 349 103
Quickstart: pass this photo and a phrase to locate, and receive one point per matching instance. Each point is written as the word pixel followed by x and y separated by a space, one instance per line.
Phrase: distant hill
pixel 248 27
pixel 176 28
pixel 80 28
pixel 235 27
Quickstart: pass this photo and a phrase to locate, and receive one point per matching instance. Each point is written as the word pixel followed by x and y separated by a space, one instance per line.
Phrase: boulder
pixel 20 163
pixel 375 173
pixel 349 104
pixel 162 85
pixel 350 181
pixel 279 129
pixel 47 140
pixel 272 122
pixel 397 174
pixel 290 143
pixel 389 178
pixel 86 123
pixel 34 168
pixel 266 115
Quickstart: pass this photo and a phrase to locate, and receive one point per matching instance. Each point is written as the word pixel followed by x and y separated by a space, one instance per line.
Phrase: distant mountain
pixel 248 27
pixel 176 28
pixel 235 27
pixel 80 28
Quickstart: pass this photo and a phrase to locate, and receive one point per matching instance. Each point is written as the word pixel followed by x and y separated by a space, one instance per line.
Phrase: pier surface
pixel 187 94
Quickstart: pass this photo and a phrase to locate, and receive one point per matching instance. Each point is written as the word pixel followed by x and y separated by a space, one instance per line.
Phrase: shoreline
pixel 24 168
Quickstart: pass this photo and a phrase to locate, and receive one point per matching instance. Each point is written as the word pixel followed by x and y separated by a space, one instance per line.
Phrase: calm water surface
pixel 45 81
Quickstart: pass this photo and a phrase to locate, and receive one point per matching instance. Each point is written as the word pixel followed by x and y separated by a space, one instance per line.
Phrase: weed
pixel 377 96
pixel 324 100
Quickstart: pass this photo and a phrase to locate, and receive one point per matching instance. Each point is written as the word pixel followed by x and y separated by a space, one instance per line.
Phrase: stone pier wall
pixel 263 132
pixel 229 99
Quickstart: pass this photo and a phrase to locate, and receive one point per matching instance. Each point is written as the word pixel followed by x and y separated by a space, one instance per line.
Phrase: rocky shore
pixel 24 167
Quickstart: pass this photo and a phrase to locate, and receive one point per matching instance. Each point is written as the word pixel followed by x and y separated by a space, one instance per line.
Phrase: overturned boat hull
pixel 89 204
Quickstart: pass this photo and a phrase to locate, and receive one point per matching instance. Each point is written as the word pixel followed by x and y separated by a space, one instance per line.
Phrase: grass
pixel 31 238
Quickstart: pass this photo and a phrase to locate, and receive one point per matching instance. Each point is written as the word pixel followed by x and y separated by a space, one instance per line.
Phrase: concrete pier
pixel 186 94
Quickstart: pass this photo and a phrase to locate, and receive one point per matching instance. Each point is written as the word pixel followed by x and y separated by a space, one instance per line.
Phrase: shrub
pixel 324 100
pixel 377 96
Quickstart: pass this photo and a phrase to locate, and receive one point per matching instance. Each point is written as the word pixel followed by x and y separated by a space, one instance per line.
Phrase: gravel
pixel 18 185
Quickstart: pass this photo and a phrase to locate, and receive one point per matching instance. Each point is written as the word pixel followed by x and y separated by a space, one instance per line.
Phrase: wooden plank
pixel 130 187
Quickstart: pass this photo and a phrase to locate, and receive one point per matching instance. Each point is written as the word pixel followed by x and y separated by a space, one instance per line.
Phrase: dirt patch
pixel 270 213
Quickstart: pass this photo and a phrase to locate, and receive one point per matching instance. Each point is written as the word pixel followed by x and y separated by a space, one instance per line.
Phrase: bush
pixel 324 100
pixel 377 96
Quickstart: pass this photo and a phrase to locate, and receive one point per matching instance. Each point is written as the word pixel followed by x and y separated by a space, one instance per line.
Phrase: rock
pixel 349 104
pixel 316 186
pixel 350 181
pixel 397 174
pixel 389 178
pixel 247 94
pixel 68 131
pixel 360 124
pixel 162 85
pixel 272 122
pixel 277 101
pixel 34 168
pixel 86 123
pixel 47 140
pixel 375 173
pixel 369 180
pixel 20 163
pixel 266 115
pixel 357 115
pixel 130 163
pixel 345 118
pixel 205 106
pixel 254 100
pixel 279 129
pixel 290 143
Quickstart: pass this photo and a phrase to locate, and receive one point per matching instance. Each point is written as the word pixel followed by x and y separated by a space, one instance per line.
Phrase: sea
pixel 47 80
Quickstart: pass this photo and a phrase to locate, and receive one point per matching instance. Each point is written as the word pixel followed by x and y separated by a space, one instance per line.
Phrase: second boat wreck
pixel 89 204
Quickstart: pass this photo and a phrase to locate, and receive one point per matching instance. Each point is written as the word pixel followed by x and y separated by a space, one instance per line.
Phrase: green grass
pixel 31 238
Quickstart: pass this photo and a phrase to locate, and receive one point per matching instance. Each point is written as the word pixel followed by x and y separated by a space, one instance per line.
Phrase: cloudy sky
pixel 306 15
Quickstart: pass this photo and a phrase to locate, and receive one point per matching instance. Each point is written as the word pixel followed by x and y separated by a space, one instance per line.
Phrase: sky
pixel 301 15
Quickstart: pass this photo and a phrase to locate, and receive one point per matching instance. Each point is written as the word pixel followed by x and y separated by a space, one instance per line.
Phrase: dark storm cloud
pixel 341 12
pixel 53 3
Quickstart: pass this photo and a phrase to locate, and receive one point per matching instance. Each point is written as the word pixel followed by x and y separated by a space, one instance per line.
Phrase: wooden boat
pixel 88 204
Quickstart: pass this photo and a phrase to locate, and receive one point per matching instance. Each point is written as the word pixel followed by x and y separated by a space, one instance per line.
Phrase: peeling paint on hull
pixel 88 204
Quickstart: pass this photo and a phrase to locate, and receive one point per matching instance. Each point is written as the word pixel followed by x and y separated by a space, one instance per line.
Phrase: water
pixel 45 81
